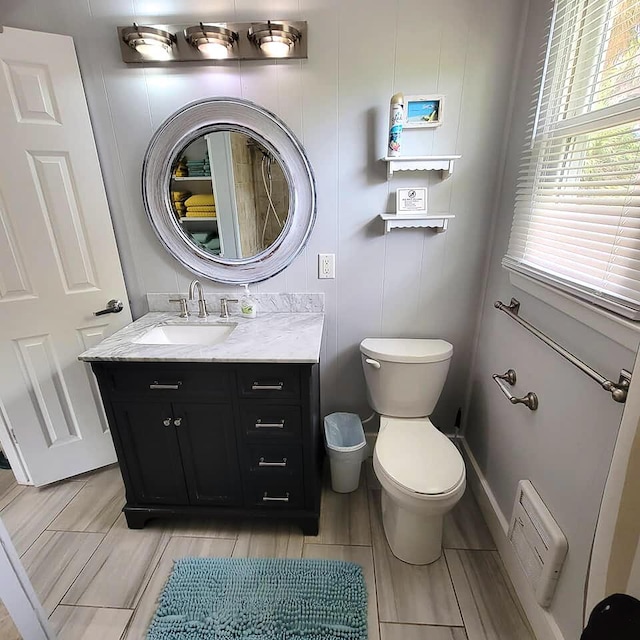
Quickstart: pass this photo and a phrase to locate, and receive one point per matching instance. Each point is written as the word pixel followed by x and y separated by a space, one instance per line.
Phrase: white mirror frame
pixel 215 114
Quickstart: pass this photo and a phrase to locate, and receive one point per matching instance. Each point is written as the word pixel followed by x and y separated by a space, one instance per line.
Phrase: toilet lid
pixel 412 350
pixel 417 456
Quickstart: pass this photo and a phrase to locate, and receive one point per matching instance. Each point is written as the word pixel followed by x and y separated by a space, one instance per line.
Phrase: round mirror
pixel 228 190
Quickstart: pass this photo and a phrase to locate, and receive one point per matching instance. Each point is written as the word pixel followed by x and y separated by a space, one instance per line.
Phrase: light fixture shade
pixel 150 42
pixel 275 48
pixel 275 39
pixel 212 40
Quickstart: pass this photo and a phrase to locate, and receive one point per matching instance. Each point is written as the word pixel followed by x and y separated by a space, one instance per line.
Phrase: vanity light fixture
pixel 275 39
pixel 212 40
pixel 152 43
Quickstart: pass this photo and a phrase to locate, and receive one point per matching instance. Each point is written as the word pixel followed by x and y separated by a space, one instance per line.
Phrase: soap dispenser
pixel 248 305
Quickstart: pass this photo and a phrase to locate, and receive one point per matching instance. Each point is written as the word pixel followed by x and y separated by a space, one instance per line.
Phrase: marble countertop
pixel 271 337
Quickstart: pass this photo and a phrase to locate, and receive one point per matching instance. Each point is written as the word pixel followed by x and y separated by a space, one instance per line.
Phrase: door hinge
pixel 12 433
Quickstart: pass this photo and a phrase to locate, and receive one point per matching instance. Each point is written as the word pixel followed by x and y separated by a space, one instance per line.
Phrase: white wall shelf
pixel 420 163
pixel 437 221
pixel 203 223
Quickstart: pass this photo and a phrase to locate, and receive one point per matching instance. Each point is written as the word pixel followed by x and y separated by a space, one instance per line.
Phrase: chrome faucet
pixel 224 307
pixel 202 305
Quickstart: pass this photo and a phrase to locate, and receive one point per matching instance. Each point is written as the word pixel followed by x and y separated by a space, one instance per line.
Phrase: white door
pixel 58 263
pixel 18 596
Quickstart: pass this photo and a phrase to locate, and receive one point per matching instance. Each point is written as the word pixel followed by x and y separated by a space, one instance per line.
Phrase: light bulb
pixel 275 48
pixel 153 50
pixel 214 50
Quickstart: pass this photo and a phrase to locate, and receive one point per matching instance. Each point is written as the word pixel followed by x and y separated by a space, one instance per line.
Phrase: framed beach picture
pixel 423 111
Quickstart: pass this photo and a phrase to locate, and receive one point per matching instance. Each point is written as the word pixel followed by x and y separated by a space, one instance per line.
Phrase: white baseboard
pixel 542 622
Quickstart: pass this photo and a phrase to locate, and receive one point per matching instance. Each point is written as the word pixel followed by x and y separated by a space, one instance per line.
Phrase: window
pixel 577 212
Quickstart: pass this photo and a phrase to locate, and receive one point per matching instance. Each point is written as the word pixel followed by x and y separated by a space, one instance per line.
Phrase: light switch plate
pixel 326 265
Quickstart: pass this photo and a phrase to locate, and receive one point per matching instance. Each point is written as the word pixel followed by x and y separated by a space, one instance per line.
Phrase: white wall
pixel 409 283
pixel 565 447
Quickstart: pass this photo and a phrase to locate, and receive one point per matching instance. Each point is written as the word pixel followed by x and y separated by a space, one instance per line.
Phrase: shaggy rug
pixel 261 599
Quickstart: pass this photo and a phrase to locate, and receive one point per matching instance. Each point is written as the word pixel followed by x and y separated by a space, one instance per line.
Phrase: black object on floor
pixel 615 618
pixel 4 463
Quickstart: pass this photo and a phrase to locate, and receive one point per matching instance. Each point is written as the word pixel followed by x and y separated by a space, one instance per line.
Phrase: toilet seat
pixel 417 458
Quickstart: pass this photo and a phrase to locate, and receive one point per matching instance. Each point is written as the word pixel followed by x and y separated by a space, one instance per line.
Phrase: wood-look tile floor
pixel 98 579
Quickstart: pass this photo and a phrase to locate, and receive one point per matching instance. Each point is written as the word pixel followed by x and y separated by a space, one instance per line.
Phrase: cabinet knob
pixel 167 422
pixel 177 422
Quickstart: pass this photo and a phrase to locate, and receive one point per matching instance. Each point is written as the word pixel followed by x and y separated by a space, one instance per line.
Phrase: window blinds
pixel 577 211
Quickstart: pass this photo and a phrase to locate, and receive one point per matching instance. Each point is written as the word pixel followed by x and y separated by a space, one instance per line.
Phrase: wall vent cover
pixel 538 542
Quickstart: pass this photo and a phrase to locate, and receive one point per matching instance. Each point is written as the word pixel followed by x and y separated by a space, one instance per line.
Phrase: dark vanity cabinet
pixel 226 440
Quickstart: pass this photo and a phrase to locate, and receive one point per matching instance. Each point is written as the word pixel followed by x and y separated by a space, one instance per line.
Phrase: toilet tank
pixel 405 376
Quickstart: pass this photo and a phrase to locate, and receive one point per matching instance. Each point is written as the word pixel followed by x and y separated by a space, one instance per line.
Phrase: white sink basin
pixel 204 334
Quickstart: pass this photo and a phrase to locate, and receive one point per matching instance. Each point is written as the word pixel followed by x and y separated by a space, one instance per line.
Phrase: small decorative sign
pixel 412 200
pixel 423 111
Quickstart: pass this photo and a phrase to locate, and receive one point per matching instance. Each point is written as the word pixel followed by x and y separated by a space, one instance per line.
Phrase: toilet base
pixel 414 538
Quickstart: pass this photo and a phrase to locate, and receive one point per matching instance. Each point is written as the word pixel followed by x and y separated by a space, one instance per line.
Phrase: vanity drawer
pixel 274 460
pixel 260 420
pixel 281 382
pixel 207 382
pixel 274 495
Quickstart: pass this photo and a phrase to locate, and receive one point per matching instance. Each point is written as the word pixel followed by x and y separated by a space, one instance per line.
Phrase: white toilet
pixel 421 471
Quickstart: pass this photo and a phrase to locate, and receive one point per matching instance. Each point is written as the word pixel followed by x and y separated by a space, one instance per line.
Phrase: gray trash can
pixel 347 448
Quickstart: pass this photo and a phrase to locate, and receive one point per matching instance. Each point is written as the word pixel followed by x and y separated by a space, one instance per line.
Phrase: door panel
pixel 58 262
pixel 207 441
pixel 151 452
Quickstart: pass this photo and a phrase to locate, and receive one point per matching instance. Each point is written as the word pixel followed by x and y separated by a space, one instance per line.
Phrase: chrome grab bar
pixel 618 389
pixel 530 400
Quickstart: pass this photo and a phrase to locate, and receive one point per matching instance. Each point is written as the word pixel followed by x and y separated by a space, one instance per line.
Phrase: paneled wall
pixel 565 447
pixel 408 283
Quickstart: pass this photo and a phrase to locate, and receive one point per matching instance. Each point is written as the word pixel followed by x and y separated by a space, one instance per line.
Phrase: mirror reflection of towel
pixel 200 199
pixel 207 239
pixel 203 208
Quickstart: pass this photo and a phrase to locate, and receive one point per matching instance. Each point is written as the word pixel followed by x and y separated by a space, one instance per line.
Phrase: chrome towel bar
pixel 530 400
pixel 618 389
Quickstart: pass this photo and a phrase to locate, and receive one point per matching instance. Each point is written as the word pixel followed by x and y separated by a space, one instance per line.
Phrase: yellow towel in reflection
pixel 200 199
pixel 179 196
pixel 200 214
pixel 201 209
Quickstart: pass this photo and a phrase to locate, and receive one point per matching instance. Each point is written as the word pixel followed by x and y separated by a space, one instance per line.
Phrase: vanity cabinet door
pixel 208 444
pixel 151 452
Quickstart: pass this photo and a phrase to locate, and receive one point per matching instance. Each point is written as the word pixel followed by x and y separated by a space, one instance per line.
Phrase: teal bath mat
pixel 261 599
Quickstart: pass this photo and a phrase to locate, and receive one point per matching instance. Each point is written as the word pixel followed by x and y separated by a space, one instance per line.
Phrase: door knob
pixel 113 306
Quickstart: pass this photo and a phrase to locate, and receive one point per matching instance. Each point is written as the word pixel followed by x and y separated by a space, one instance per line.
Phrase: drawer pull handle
pixel 167 422
pixel 267 498
pixel 263 463
pixel 164 387
pixel 269 425
pixel 256 386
